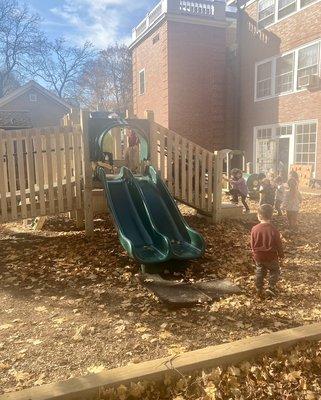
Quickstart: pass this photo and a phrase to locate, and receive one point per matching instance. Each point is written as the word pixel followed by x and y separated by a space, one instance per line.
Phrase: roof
pixel 35 86
pixel 15 119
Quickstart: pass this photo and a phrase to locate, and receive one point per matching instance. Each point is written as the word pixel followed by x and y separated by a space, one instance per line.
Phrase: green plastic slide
pixel 150 226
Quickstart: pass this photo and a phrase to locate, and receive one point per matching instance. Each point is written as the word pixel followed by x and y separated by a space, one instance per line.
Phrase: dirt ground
pixel 71 306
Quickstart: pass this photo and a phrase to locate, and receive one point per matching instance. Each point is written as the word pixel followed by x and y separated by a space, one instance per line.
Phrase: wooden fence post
pixel 217 186
pixel 153 148
pixel 87 175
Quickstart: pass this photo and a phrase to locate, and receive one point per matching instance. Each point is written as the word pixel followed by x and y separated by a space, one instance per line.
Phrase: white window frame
pixel 33 98
pixel 316 140
pixel 292 137
pixel 275 76
pixel 296 2
pixel 258 13
pixel 139 82
pixel 276 12
pixel 256 76
pixel 297 63
pixel 295 71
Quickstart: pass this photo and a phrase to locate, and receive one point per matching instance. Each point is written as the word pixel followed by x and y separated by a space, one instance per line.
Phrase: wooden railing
pixel 40 172
pixel 187 168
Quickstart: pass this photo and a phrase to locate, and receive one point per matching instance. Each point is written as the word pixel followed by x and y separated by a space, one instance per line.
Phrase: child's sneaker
pixel 270 292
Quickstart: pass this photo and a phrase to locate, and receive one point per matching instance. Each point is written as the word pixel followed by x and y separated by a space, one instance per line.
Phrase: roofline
pixel 32 85
pixel 189 19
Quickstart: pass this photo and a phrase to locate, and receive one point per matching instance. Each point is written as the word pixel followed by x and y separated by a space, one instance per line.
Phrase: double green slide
pixel 150 226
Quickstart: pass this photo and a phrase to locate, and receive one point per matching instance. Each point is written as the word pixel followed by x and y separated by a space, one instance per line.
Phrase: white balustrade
pixel 201 8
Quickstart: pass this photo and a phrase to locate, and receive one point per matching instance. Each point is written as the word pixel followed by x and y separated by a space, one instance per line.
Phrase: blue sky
pixel 101 21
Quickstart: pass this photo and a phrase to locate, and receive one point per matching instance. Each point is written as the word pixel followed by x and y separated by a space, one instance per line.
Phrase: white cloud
pixel 100 21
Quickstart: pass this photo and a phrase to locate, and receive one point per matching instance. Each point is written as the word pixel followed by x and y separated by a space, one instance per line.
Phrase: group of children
pixel 273 192
pixel 266 243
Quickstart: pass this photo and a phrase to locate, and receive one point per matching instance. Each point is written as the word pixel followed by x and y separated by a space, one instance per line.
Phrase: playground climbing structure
pixel 51 171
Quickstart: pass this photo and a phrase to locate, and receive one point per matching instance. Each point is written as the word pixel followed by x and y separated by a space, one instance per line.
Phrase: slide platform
pixel 149 223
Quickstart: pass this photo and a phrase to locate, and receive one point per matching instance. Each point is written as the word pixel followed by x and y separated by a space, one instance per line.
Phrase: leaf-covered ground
pixel 294 374
pixel 70 306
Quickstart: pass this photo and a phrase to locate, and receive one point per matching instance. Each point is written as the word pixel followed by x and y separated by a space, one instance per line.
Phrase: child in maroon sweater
pixel 267 250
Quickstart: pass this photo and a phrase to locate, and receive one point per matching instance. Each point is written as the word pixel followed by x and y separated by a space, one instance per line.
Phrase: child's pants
pixel 235 195
pixel 292 218
pixel 262 268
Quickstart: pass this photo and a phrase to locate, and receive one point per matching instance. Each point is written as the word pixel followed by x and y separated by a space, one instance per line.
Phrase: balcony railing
pixel 201 8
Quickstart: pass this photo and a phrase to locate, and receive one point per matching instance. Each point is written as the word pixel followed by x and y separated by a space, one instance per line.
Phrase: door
pixel 265 155
pixel 283 156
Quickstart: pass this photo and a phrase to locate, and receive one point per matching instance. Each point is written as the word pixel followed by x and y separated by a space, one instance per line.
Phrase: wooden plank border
pixel 86 387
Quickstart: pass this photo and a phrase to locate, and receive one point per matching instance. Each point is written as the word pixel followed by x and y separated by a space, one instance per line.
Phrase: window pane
pixel 308 61
pixel 264 81
pixel 284 73
pixel 266 12
pixel 284 130
pixel 304 3
pixel 305 149
pixel 286 7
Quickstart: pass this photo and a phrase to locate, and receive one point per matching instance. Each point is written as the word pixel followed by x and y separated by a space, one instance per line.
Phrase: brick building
pixel 254 87
pixel 180 70
pixel 280 98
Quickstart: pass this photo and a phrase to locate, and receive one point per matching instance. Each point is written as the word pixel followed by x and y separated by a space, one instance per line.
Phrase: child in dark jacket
pixel 279 194
pixel 238 188
pixel 267 251
pixel 267 193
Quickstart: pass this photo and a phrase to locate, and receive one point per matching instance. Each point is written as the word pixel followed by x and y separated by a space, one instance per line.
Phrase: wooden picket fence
pixel 40 172
pixel 192 173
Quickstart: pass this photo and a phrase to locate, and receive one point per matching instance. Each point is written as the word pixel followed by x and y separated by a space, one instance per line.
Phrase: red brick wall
pixel 186 82
pixel 290 33
pixel 197 80
pixel 152 57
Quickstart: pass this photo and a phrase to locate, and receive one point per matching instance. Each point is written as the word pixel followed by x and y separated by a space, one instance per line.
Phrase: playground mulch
pixel 71 306
pixel 294 374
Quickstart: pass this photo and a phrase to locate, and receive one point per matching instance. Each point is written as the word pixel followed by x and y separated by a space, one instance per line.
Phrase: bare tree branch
pixel 60 65
pixel 107 81
pixel 18 34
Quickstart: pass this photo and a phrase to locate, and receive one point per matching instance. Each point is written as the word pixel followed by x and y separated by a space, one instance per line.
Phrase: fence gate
pixel 40 172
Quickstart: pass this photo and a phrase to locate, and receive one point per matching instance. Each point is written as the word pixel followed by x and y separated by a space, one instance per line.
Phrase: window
pixel 305 147
pixel 291 143
pixel 142 82
pixel 308 62
pixel 288 73
pixel 284 130
pixel 266 12
pixel 284 74
pixel 270 11
pixel 33 97
pixel 264 133
pixel 286 7
pixel 304 3
pixel 264 80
